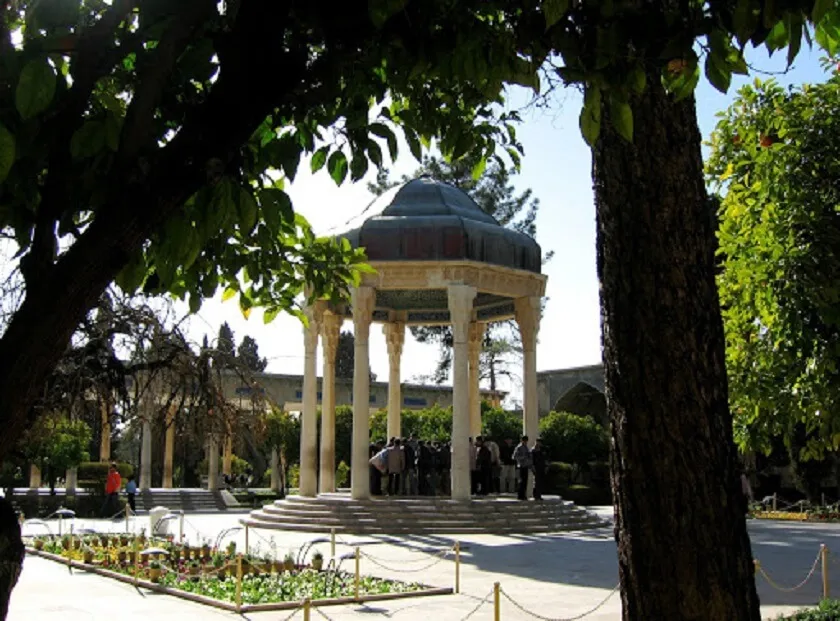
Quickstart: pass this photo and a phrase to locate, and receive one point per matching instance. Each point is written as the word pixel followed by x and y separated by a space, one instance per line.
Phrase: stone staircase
pixel 190 500
pixel 401 515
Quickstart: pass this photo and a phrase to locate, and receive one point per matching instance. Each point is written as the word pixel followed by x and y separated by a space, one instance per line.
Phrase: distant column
pixel 476 337
pixel 460 310
pixel 212 463
pixel 528 318
pixel 275 470
pixel 34 476
pixel 362 300
pixel 105 427
pixel 169 448
pixel 146 456
pixel 331 326
pixel 395 338
pixel 309 417
pixel 71 480
pixel 227 460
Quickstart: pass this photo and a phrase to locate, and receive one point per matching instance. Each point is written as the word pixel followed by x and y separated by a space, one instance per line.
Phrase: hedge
pixel 94 474
pixel 828 610
pixel 586 495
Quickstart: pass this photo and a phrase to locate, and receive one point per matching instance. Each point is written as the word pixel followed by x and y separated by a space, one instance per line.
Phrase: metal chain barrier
pixel 439 558
pixel 793 588
pixel 575 618
pixel 484 600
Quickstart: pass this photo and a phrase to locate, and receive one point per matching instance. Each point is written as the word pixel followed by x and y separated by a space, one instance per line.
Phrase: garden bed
pixel 797 516
pixel 210 577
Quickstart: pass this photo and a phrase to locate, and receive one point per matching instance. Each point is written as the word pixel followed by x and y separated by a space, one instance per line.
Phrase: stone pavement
pixel 558 576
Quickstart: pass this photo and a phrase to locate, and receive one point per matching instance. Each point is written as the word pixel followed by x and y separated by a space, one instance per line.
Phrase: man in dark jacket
pixel 484 467
pixel 539 459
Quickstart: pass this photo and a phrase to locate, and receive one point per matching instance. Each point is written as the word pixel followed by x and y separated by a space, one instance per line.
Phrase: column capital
pixel 394 337
pixel 362 299
pixel 330 329
pixel 461 299
pixel 528 312
pixel 476 335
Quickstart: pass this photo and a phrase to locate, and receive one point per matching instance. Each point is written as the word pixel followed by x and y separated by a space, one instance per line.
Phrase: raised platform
pixel 414 515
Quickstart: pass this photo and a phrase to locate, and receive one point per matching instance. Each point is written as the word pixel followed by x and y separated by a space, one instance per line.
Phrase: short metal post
pixel 497 603
pixel 457 567
pixel 246 539
pixel 356 581
pixel 136 560
pixel 823 500
pixel 332 543
pixel 181 527
pixel 127 514
pixel 238 582
pixel 774 501
pixel 824 556
pixel 306 605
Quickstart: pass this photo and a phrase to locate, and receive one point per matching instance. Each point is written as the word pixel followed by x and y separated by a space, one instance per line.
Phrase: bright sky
pixel 557 167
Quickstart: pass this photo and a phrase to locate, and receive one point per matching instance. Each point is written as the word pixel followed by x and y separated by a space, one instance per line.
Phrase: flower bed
pixel 817 515
pixel 210 576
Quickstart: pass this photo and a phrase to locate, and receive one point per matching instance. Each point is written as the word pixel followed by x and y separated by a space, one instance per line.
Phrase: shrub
pixel 599 474
pixel 93 474
pixel 573 439
pixel 559 476
pixel 828 610
pixel 342 475
pixel 293 479
pixel 586 495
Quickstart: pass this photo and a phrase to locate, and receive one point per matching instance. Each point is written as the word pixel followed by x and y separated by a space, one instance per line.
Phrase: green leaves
pixel 276 209
pixel 337 166
pixel 7 152
pixel 381 11
pixel 590 115
pixel 821 7
pixel 621 116
pixel 827 32
pixel 89 139
pixel 680 76
pixel 35 88
pixel 319 158
pixel 554 10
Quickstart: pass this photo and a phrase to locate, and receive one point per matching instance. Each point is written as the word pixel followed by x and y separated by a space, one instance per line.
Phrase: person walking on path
pixel 524 463
pixel 131 492
pixel 112 488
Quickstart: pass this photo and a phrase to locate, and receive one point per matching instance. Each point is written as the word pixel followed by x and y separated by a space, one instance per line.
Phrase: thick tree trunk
pixel 683 548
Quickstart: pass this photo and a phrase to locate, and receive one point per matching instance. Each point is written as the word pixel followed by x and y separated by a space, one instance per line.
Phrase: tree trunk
pixel 683 548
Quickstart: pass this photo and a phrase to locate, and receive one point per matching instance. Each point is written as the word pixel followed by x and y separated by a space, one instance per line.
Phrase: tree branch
pixel 139 116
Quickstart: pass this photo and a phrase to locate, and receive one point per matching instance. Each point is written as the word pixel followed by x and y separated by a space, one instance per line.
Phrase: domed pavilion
pixel 439 260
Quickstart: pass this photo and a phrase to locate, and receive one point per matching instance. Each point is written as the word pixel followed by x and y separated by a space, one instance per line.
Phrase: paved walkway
pixel 559 576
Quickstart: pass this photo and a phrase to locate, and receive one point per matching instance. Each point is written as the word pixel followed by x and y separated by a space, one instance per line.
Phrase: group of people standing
pixel 412 467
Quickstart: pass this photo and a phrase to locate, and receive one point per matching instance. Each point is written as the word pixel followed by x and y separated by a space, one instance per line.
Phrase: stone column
pixel 476 337
pixel 309 416
pixel 362 300
pixel 460 309
pixel 71 480
pixel 169 448
pixel 105 426
pixel 227 459
pixel 34 477
pixel 146 456
pixel 394 337
pixel 330 329
pixel 212 463
pixel 275 470
pixel 528 318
